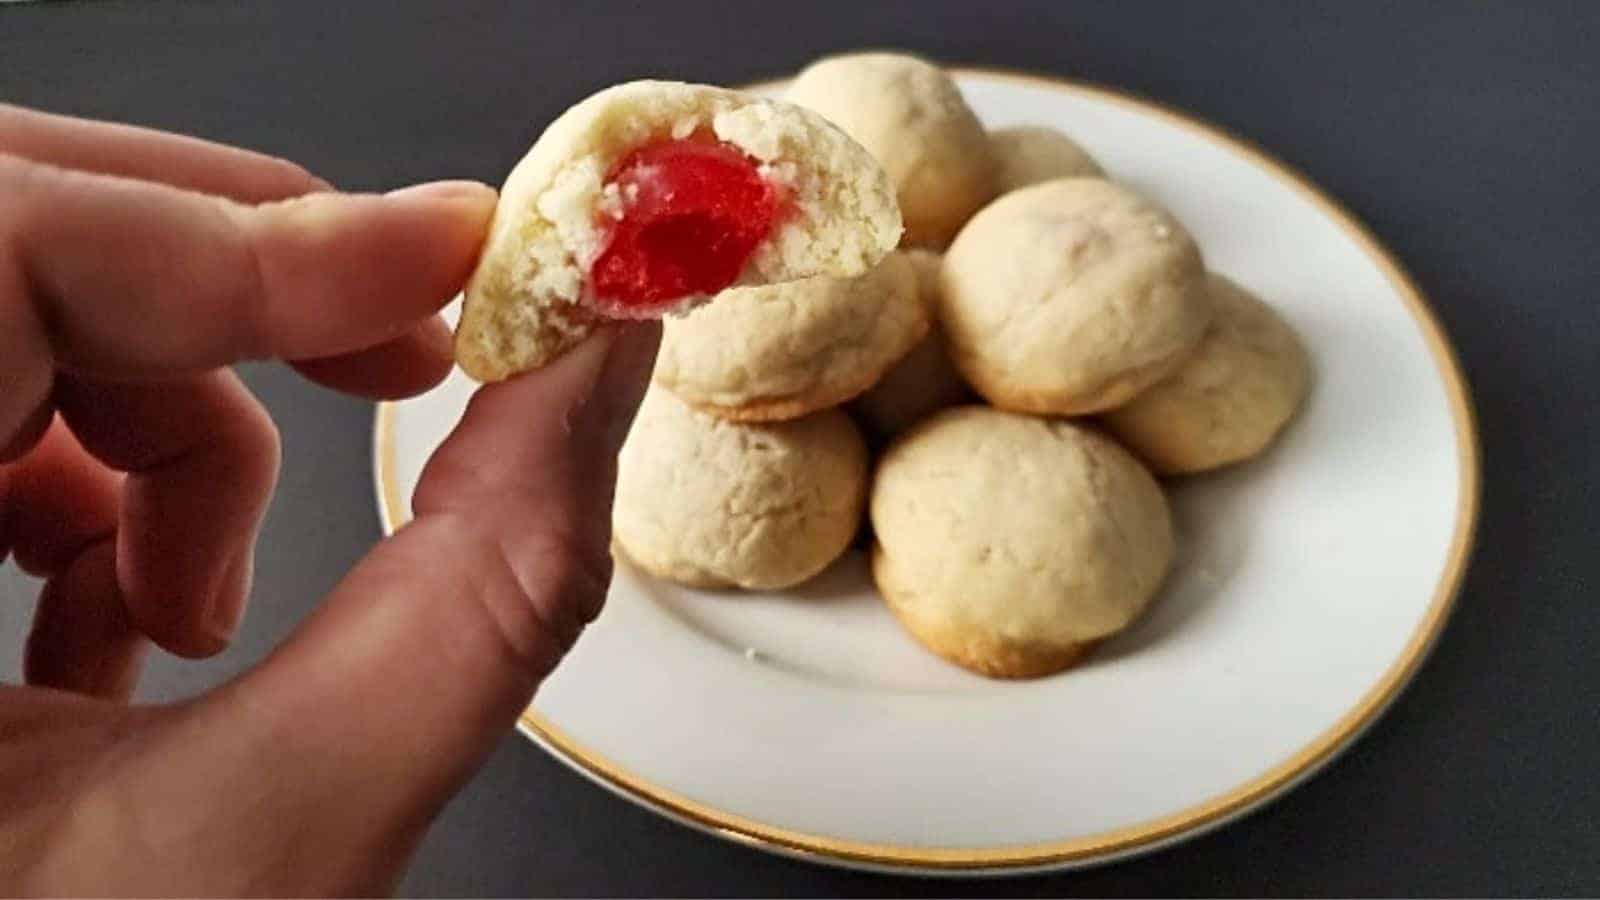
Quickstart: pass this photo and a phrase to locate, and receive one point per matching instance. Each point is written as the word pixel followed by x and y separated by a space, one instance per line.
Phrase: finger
pixel 114 149
pixel 202 458
pixel 61 510
pixel 82 638
pixel 132 277
pixel 26 366
pixel 427 652
pixel 58 501
pixel 403 367
pixel 27 433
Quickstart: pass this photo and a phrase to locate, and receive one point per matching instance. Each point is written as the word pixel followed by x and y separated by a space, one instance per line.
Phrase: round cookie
pixel 910 115
pixel 651 196
pixel 783 351
pixel 922 383
pixel 710 503
pixel 1008 544
pixel 1031 154
pixel 1070 297
pixel 1229 399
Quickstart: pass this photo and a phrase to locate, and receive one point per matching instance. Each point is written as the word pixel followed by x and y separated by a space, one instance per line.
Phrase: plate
pixel 1310 586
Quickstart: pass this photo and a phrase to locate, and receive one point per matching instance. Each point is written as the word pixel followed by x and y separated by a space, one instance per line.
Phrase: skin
pixel 135 468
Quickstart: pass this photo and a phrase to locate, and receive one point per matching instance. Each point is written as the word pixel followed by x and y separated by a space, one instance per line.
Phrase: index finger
pixel 130 278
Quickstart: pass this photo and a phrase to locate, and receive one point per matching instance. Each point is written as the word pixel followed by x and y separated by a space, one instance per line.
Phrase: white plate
pixel 1311 584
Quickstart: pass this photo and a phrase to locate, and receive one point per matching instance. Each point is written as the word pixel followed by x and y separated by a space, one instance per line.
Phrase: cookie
pixel 1009 544
pixel 710 503
pixel 922 383
pixel 650 197
pixel 1070 297
pixel 1229 399
pixel 1030 154
pixel 911 116
pixel 785 350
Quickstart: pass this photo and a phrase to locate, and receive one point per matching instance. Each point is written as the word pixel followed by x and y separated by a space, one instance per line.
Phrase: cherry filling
pixel 692 212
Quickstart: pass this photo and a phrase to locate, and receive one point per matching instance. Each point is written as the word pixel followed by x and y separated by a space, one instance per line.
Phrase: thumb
pixel 428 651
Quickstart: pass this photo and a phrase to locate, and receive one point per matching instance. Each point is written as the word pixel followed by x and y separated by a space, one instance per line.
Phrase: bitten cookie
pixel 710 503
pixel 1007 544
pixel 1070 297
pixel 785 350
pixel 911 116
pixel 1229 399
pixel 650 197
pixel 922 383
pixel 1030 154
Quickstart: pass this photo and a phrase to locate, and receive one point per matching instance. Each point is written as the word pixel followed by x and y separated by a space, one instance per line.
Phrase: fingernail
pixel 445 192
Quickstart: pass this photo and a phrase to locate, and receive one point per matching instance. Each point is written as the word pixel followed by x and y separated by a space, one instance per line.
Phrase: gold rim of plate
pixel 1160 831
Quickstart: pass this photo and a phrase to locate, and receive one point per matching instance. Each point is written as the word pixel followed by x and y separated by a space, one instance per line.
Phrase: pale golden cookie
pixel 1030 154
pixel 1007 543
pixel 910 115
pixel 533 295
pixel 1070 297
pixel 1229 399
pixel 922 383
pixel 710 503
pixel 783 351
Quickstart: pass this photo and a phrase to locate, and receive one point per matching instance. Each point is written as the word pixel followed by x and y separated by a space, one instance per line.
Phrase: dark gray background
pixel 1468 136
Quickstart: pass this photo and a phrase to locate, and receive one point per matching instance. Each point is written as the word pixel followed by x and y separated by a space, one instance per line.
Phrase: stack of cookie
pixel 1019 389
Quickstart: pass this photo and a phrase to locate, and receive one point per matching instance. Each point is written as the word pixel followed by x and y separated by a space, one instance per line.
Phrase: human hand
pixel 127 284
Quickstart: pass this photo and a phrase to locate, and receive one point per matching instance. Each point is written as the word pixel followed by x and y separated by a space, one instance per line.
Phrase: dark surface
pixel 1467 136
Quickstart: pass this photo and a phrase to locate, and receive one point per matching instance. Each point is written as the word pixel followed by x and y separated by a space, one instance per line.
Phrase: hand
pixel 134 471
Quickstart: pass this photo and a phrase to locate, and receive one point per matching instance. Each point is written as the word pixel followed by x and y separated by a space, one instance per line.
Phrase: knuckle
pixel 251 304
pixel 564 579
pixel 533 590
pixel 585 568
pixel 562 585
